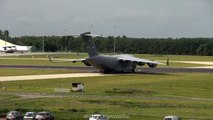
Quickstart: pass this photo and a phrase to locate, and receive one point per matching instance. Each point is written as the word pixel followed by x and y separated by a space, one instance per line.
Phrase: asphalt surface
pixel 94 70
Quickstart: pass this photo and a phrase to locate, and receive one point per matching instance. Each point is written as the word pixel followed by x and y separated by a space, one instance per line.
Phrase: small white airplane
pixel 11 48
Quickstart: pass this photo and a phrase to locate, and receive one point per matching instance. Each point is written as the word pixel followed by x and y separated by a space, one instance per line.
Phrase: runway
pixel 203 66
pixel 94 70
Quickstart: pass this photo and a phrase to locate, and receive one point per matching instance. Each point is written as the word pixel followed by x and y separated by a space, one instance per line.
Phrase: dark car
pixel 14 115
pixel 44 116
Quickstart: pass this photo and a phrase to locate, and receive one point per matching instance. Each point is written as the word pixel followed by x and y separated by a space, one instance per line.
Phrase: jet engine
pixel 152 65
pixel 141 63
pixel 86 63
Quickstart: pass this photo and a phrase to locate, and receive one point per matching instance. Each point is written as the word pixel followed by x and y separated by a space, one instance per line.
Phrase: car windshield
pixel 29 114
pixel 11 113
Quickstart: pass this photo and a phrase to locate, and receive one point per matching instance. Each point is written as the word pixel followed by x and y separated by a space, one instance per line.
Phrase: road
pixel 94 70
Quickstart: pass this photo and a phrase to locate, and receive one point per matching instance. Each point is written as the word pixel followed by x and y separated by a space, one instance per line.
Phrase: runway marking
pixel 34 53
pixel 52 76
pixel 39 59
pixel 208 64
pixel 206 67
pixel 23 58
pixel 196 62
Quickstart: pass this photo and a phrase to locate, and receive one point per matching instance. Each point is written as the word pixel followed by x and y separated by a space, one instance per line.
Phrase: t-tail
pixel 90 45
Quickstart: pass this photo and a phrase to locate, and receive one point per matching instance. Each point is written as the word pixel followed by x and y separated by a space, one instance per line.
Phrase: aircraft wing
pixel 129 58
pixel 65 60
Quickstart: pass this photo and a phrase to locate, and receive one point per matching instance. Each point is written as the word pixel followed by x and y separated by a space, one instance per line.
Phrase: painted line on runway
pixel 52 76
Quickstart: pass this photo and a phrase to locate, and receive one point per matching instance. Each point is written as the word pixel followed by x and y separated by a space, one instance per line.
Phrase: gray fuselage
pixel 111 64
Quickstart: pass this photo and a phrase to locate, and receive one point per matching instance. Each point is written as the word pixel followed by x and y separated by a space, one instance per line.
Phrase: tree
pixel 6 35
pixel 202 49
pixel 1 34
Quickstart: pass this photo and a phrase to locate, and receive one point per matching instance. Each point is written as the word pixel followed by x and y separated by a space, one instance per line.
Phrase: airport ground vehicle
pixel 172 118
pixel 98 117
pixel 14 115
pixel 44 116
pixel 30 116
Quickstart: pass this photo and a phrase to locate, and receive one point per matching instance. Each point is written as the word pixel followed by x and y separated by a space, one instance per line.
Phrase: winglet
pixel 49 58
pixel 167 61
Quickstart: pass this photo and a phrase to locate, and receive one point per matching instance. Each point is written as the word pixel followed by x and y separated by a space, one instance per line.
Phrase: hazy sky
pixel 133 18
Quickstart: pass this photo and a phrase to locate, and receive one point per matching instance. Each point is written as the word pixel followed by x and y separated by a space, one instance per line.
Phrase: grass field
pixel 125 96
pixel 132 97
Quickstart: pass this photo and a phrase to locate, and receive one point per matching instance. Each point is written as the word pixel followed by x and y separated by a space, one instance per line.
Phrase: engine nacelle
pixel 86 63
pixel 152 65
pixel 141 63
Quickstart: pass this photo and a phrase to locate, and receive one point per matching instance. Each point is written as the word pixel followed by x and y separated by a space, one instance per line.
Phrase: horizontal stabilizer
pixel 65 60
pixel 86 34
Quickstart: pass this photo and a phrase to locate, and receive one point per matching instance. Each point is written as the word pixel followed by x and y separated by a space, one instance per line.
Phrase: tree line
pixel 177 46
pixel 4 34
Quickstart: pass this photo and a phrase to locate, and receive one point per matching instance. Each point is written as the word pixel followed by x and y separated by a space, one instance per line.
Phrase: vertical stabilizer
pixel 90 45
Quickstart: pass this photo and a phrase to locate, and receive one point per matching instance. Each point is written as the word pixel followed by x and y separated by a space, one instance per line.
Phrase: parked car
pixel 98 117
pixel 14 115
pixel 172 118
pixel 44 116
pixel 30 116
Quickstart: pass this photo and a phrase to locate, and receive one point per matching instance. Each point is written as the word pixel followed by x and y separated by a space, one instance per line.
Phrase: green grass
pixel 41 60
pixel 135 96
pixel 186 85
pixel 36 62
pixel 141 96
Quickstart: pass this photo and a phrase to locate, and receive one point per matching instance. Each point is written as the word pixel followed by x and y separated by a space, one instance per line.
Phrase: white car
pixel 30 116
pixel 172 118
pixel 14 115
pixel 98 117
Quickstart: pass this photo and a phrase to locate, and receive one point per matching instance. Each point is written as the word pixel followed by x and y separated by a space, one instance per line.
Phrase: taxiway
pixel 94 70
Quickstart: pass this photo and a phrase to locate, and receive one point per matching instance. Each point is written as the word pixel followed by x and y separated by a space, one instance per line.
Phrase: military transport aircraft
pixel 109 64
pixel 11 48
